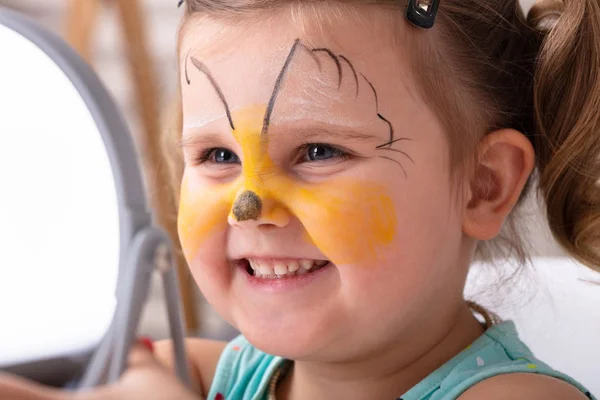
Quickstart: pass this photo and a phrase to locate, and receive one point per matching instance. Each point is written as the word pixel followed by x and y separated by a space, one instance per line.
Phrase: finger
pixel 165 355
pixel 142 354
pixel 14 387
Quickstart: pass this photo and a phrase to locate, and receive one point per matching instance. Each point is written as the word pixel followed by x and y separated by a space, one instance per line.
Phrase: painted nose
pixel 247 206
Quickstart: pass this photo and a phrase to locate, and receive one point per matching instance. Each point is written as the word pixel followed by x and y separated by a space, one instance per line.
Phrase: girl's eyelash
pixel 340 153
pixel 204 155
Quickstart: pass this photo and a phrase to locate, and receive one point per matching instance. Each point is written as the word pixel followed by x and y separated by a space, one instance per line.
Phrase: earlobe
pixel 505 161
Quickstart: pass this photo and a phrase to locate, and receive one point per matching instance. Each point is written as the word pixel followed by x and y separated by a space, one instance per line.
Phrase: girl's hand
pixel 145 379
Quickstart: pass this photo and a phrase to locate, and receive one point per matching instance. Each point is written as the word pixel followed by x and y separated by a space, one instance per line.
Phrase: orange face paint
pixel 349 221
pixel 200 213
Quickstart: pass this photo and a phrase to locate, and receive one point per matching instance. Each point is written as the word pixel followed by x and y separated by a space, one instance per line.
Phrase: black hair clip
pixel 422 13
pixel 180 3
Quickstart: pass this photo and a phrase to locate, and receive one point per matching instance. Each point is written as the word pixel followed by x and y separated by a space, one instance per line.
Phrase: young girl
pixel 343 166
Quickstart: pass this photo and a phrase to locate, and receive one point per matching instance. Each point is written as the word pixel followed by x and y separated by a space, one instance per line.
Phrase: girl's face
pixel 316 211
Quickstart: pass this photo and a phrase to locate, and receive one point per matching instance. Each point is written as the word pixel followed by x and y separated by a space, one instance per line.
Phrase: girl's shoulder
pixel 497 363
pixel 521 386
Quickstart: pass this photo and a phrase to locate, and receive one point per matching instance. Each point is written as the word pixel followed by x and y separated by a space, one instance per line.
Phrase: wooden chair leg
pixel 81 18
pixel 149 141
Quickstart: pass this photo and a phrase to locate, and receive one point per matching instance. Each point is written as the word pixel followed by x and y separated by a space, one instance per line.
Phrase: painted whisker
pixel 399 151
pixel 397 162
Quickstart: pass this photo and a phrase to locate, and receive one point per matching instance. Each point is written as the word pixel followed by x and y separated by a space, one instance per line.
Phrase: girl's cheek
pixel 350 222
pixel 202 212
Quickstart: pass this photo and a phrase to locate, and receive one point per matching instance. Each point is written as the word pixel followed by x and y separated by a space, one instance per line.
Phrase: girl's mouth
pixel 279 269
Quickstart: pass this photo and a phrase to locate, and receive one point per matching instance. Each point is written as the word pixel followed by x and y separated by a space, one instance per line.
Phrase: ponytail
pixel 567 119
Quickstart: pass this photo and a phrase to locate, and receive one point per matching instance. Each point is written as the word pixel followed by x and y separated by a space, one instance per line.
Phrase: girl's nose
pixel 247 206
pixel 250 208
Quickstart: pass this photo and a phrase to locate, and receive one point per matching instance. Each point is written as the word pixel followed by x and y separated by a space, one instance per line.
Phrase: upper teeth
pixel 277 269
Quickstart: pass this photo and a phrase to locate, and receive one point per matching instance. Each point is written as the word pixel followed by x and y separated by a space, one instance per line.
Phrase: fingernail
pixel 147 343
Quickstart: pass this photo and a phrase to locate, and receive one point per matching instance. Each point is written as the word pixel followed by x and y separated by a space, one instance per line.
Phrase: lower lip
pixel 285 283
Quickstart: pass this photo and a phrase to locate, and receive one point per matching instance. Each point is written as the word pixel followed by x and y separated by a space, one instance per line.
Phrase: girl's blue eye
pixel 224 156
pixel 219 156
pixel 321 152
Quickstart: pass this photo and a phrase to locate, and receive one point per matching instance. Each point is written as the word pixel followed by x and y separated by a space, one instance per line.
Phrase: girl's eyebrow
pixel 323 131
pixel 197 137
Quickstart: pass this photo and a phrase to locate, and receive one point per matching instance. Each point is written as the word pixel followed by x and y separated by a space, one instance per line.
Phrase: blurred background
pixel 111 34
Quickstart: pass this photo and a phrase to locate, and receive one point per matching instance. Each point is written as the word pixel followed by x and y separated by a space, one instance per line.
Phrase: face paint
pixel 201 213
pixel 349 221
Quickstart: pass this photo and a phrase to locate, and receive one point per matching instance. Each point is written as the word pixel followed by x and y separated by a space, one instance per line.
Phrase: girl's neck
pixel 390 373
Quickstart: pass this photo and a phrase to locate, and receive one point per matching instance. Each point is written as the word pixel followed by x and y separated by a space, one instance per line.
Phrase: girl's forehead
pixel 329 77
pixel 348 28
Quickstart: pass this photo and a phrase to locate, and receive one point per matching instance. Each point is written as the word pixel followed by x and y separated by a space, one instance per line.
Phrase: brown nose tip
pixel 247 207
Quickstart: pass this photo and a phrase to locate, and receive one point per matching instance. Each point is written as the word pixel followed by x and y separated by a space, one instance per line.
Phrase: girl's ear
pixel 505 161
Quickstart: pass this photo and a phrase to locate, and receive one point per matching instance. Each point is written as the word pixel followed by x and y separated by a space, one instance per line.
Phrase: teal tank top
pixel 244 372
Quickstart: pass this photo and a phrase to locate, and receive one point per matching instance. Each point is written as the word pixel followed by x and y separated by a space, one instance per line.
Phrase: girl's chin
pixel 298 339
pixel 291 347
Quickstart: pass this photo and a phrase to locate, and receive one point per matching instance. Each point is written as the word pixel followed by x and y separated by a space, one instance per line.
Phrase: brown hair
pixel 539 75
